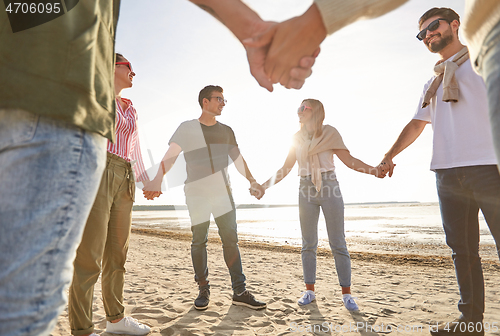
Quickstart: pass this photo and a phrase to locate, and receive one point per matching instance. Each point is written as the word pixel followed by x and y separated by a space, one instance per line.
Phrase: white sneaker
pixel 93 334
pixel 349 302
pixel 128 326
pixel 307 297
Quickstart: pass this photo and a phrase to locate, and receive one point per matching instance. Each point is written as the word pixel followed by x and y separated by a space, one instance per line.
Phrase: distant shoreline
pixel 258 206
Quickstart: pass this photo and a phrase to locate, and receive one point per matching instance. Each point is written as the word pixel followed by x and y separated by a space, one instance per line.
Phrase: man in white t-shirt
pixel 456 106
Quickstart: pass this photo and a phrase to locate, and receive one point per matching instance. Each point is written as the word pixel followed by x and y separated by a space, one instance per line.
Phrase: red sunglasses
pixel 128 64
pixel 303 108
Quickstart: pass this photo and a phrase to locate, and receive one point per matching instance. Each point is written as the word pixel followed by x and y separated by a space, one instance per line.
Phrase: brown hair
pixel 119 57
pixel 206 92
pixel 318 115
pixel 446 13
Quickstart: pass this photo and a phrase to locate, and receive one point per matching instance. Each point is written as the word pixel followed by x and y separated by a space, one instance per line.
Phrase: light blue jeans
pixel 49 175
pixel 489 68
pixel 329 199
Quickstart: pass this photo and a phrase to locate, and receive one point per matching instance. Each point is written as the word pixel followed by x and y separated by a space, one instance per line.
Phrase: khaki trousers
pixel 103 248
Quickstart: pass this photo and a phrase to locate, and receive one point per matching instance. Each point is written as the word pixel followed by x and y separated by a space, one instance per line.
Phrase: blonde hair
pixel 318 115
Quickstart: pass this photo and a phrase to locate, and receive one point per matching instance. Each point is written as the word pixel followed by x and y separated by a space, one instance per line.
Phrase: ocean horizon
pixel 381 227
pixel 142 207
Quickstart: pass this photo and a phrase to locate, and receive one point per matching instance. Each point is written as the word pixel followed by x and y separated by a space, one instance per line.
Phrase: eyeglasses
pixel 128 64
pixel 220 99
pixel 431 27
pixel 303 108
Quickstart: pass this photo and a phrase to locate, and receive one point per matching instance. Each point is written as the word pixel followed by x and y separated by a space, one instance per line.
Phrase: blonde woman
pixel 314 147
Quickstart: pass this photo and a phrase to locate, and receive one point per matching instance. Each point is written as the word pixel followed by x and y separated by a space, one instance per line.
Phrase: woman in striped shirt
pixel 106 234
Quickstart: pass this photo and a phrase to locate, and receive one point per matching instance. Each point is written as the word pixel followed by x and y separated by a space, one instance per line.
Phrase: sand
pixel 397 294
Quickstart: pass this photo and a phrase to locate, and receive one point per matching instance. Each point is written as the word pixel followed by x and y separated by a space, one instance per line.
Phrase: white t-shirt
pixel 462 132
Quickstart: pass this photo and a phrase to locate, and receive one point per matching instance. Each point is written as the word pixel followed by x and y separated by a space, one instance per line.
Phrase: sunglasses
pixel 303 108
pixel 128 64
pixel 431 27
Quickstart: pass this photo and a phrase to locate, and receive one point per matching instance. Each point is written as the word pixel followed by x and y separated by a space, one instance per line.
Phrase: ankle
pixel 310 287
pixel 346 290
pixel 117 320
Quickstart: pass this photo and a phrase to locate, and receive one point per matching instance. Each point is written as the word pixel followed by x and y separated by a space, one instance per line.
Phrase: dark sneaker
pixel 203 299
pixel 458 327
pixel 248 300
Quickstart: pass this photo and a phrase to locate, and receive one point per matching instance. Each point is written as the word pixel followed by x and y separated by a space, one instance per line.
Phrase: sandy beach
pixel 397 294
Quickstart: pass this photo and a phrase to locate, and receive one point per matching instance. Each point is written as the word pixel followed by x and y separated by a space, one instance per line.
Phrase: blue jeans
pixel 462 192
pixel 329 199
pixel 489 68
pixel 200 207
pixel 49 175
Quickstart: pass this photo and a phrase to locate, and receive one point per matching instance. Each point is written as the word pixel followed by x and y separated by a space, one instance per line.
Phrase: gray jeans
pixel 329 199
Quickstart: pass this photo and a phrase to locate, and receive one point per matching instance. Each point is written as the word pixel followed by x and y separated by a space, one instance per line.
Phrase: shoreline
pixel 160 207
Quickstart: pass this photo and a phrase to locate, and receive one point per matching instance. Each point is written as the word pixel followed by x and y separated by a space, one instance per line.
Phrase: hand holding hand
pixel 257 190
pixel 379 172
pixel 257 49
pixel 386 166
pixel 287 43
pixel 152 189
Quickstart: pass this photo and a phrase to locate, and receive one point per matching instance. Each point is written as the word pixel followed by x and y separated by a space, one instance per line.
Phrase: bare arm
pixel 283 171
pixel 241 164
pixel 408 135
pixel 153 189
pixel 242 167
pixel 240 19
pixel 356 164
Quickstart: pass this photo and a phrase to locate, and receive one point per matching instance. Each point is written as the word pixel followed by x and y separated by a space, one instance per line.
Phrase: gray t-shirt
pixel 206 148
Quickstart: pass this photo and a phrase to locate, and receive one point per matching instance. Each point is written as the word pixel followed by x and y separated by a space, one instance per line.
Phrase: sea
pixel 401 228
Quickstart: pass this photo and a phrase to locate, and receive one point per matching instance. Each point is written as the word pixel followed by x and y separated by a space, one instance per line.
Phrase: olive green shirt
pixel 63 68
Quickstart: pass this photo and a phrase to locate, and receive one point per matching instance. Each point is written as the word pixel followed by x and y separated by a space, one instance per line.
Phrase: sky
pixel 369 77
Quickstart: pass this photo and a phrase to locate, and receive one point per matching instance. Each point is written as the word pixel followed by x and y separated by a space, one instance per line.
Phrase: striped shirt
pixel 127 139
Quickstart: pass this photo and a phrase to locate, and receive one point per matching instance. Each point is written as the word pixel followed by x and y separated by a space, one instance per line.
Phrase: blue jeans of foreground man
pixel 462 192
pixel 200 207
pixel 329 199
pixel 489 68
pixel 49 174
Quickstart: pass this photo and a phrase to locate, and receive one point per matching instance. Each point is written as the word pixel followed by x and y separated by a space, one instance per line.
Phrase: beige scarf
pixel 308 150
pixel 445 72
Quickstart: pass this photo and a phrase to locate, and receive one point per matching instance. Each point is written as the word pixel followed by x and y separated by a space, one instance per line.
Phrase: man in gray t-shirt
pixel 208 147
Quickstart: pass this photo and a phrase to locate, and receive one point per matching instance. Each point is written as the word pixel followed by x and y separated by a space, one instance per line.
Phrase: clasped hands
pixel 386 166
pixel 285 52
pixel 257 190
pixel 152 189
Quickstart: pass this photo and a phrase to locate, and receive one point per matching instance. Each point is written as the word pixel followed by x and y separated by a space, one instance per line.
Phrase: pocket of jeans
pixel 17 127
